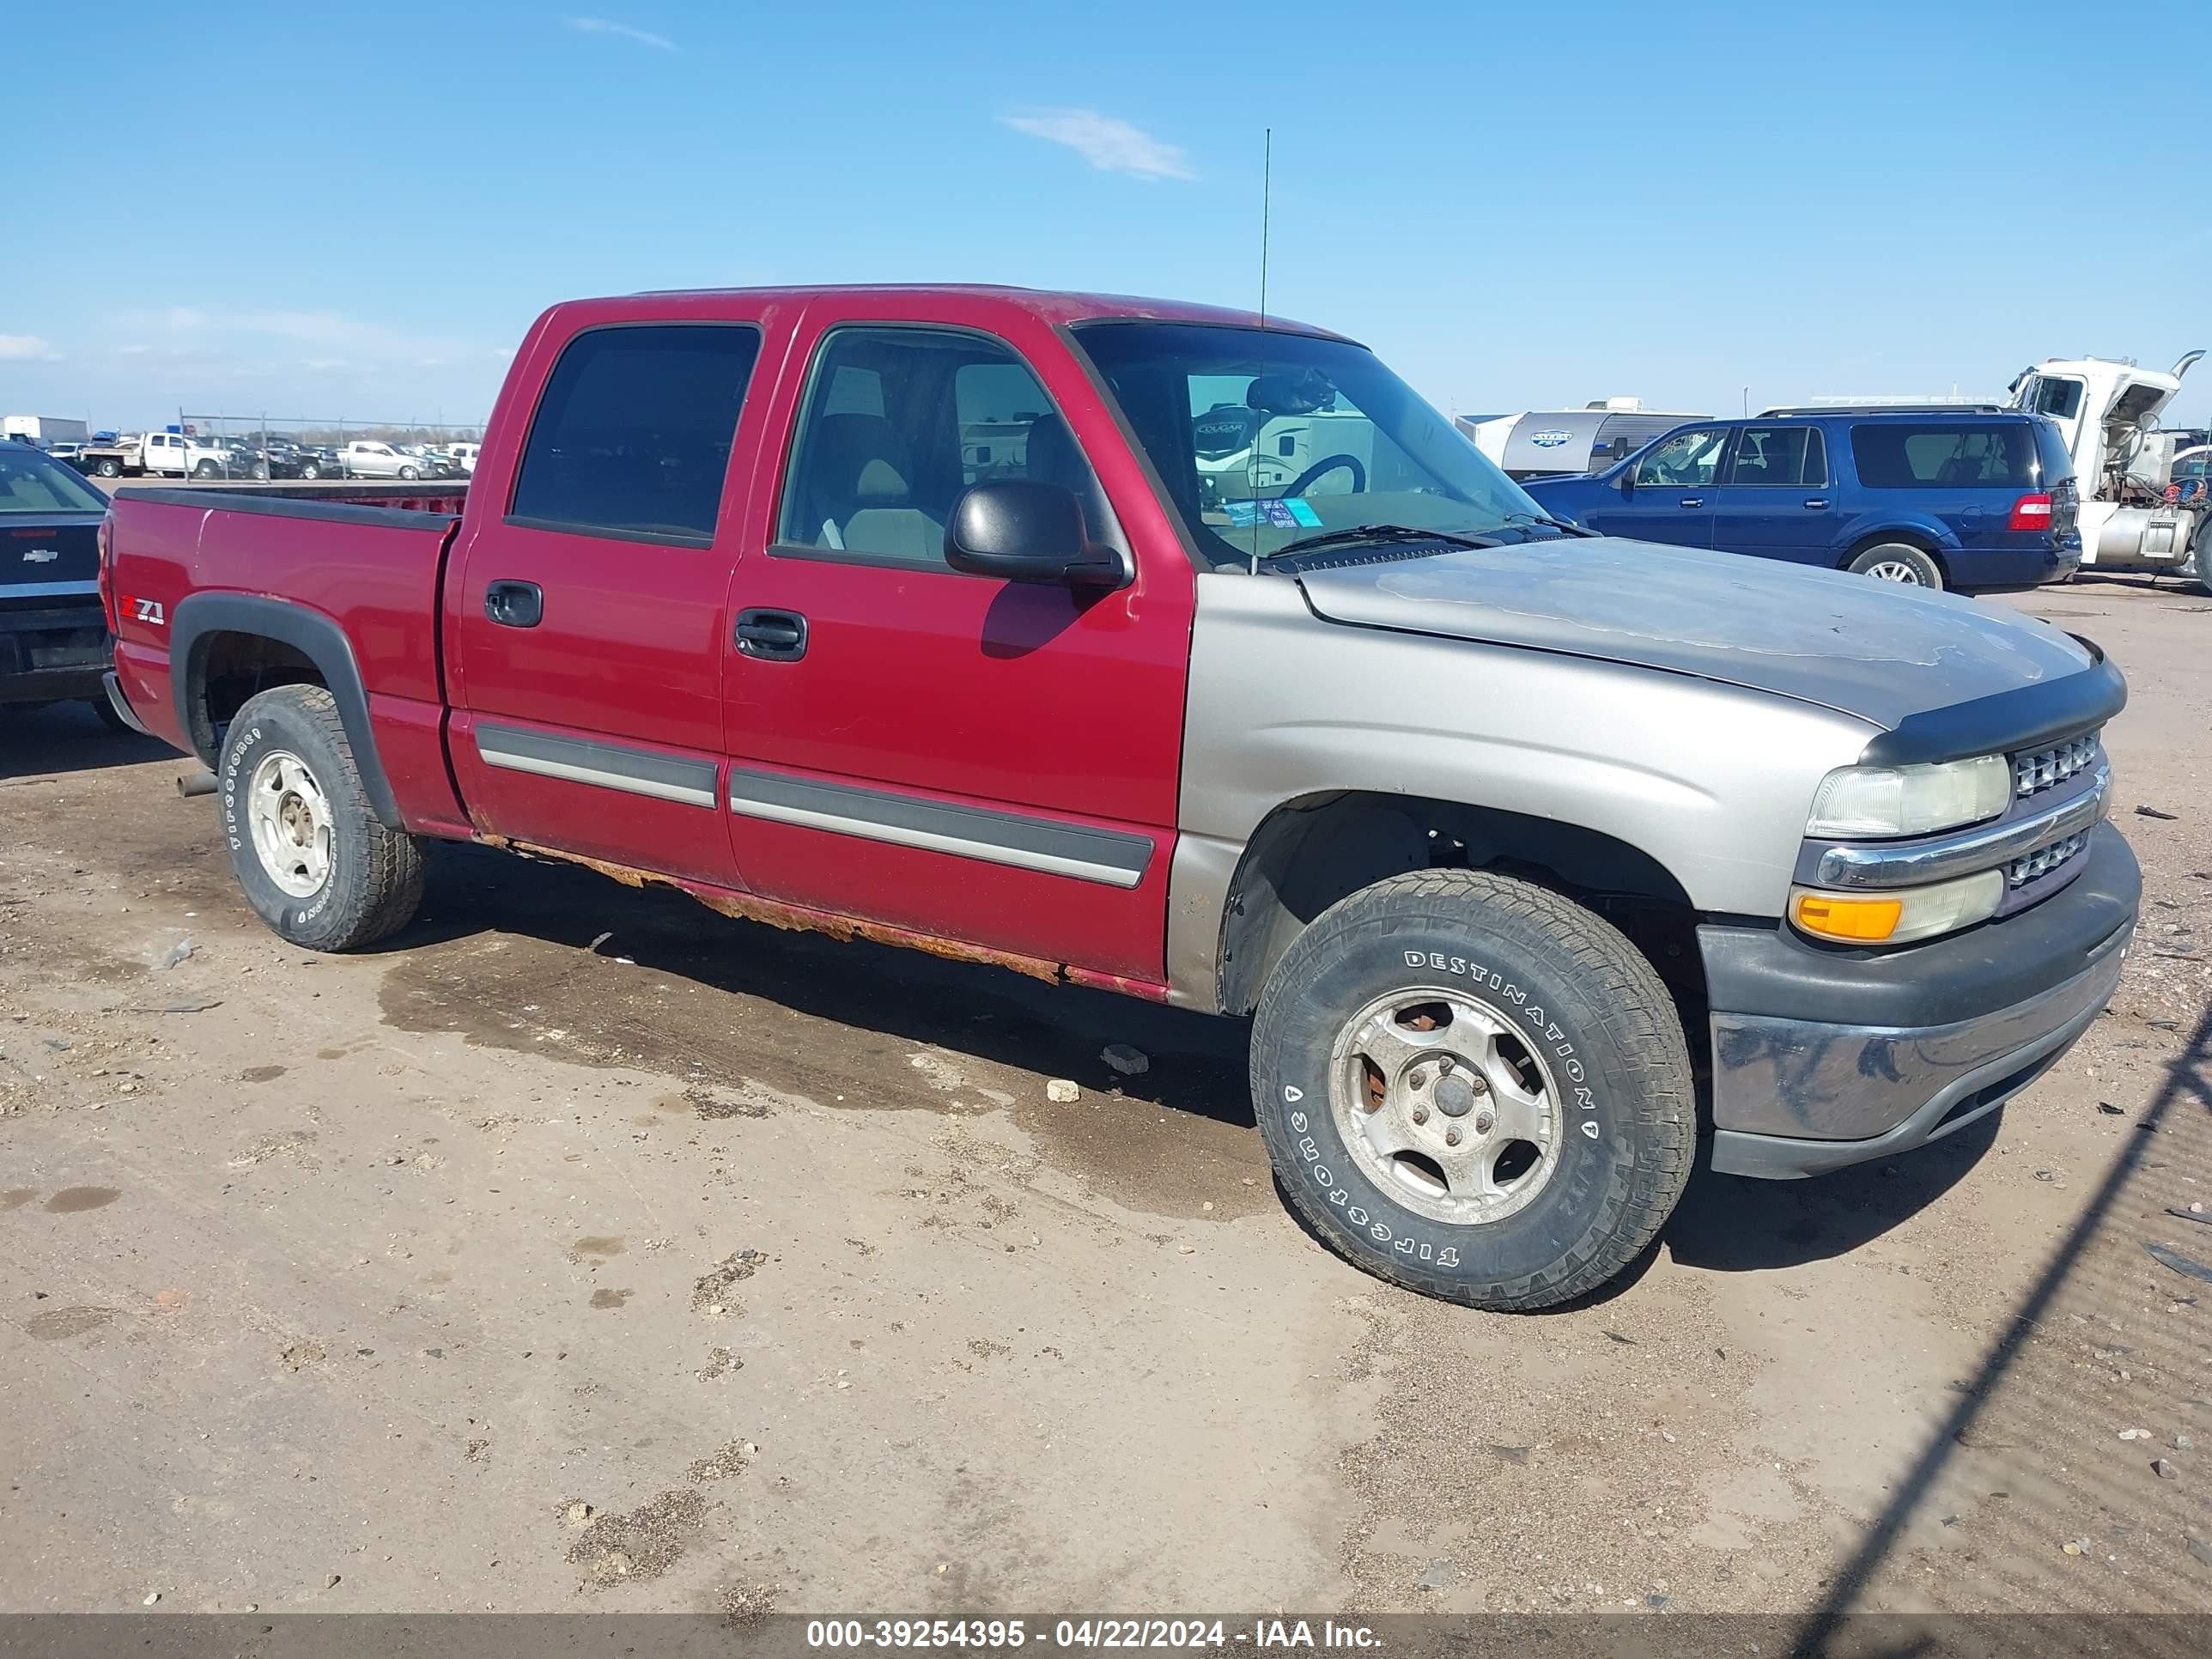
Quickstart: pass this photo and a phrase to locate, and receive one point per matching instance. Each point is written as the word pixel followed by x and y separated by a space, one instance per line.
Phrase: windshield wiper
pixel 1549 522
pixel 1378 533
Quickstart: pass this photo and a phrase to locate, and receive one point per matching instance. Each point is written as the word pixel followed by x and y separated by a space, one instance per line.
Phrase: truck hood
pixel 1868 648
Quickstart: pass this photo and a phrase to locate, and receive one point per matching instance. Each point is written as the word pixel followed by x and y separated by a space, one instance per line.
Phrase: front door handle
pixel 514 604
pixel 1692 501
pixel 1817 501
pixel 771 635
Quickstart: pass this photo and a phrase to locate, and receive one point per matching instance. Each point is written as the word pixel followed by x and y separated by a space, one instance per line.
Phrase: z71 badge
pixel 144 610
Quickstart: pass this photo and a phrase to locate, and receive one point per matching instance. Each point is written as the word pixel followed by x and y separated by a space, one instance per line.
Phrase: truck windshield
pixel 31 482
pixel 1263 439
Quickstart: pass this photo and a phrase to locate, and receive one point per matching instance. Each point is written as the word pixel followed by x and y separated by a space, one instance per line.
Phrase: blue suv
pixel 1939 497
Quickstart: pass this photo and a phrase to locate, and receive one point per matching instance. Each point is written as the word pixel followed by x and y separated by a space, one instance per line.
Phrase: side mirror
pixel 1628 481
pixel 1021 530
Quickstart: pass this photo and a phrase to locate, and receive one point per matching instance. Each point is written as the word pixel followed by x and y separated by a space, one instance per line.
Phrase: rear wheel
pixel 1899 562
pixel 1475 1088
pixel 110 468
pixel 2200 559
pixel 312 857
pixel 108 717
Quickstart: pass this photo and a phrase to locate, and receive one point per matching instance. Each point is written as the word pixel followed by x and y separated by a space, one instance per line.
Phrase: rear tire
pixel 312 857
pixel 110 469
pixel 1900 562
pixel 108 718
pixel 1568 1139
pixel 2199 561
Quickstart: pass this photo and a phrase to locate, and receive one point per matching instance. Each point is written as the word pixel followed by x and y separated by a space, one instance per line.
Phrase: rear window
pixel 1994 455
pixel 632 438
pixel 31 483
pixel 2050 450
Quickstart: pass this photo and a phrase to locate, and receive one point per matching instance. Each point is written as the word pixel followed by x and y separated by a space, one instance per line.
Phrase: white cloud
pixel 622 31
pixel 1109 144
pixel 27 349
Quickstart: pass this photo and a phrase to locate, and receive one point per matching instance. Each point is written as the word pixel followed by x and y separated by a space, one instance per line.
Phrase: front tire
pixel 410 473
pixel 312 857
pixel 1474 1088
pixel 1900 562
pixel 205 469
pixel 309 473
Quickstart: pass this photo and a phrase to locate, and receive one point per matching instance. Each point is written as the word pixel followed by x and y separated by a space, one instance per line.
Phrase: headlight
pixel 1910 800
pixel 1900 915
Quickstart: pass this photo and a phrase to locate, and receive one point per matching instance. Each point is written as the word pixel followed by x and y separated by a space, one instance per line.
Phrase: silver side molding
pixel 1113 857
pixel 607 765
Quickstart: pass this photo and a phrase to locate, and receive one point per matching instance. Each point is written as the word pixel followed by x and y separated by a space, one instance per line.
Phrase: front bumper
pixel 1824 1058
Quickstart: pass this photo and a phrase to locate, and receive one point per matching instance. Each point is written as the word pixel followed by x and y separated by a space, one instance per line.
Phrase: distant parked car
pixel 66 453
pixel 462 456
pixel 372 457
pixel 54 645
pixel 1977 498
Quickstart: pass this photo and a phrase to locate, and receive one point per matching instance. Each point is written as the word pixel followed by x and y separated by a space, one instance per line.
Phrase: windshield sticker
pixel 1291 512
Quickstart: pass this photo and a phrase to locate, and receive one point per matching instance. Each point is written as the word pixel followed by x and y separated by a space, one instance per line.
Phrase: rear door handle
pixel 771 635
pixel 1693 501
pixel 1818 502
pixel 514 604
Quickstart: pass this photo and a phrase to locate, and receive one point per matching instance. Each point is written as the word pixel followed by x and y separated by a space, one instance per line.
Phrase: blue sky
pixel 356 211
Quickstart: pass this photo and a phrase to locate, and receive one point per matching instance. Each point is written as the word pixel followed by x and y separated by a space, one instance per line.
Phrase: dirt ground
pixel 585 1249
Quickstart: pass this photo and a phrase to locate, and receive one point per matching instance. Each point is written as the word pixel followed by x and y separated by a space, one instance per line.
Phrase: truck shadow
pixel 1724 1224
pixel 1729 1224
pixel 1198 1063
pixel 61 737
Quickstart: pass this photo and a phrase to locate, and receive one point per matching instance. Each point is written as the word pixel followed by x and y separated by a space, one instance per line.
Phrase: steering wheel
pixel 1329 463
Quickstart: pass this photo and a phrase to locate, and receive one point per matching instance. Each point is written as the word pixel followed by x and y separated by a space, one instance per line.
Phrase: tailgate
pixel 48 557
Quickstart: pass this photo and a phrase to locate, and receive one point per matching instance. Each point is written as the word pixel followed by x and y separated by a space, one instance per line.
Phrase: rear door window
pixel 1783 457
pixel 632 437
pixel 1954 456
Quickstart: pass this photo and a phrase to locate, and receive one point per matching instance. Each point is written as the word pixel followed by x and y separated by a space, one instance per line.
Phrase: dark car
pixel 54 643
pixel 1938 498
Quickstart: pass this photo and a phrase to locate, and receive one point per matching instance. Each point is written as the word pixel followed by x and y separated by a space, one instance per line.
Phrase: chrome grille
pixel 2043 860
pixel 2040 769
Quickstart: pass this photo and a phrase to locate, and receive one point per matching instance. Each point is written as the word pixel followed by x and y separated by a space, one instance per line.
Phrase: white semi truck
pixel 2108 410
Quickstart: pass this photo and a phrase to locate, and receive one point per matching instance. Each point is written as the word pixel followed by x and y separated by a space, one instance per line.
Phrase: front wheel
pixel 1899 562
pixel 315 860
pixel 410 473
pixel 205 469
pixel 309 471
pixel 1474 1088
pixel 2200 559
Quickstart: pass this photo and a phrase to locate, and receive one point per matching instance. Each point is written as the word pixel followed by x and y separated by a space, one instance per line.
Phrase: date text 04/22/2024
pixel 1085 1633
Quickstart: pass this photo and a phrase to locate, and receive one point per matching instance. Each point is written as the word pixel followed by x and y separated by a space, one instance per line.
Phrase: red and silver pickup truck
pixel 1166 649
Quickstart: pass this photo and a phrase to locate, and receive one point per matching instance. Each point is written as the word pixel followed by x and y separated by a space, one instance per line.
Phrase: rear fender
pixel 1920 529
pixel 195 621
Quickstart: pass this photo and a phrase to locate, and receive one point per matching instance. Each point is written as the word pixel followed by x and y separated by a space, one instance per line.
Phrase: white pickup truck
pixel 2108 410
pixel 175 455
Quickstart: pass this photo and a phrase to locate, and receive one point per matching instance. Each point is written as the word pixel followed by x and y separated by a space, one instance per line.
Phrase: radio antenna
pixel 1266 196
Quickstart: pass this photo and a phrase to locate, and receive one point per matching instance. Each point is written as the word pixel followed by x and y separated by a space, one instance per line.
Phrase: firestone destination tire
pixel 312 856
pixel 1473 1087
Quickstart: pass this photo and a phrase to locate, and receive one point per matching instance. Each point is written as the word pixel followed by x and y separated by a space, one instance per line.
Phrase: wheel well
pixel 229 670
pixel 1918 539
pixel 1310 854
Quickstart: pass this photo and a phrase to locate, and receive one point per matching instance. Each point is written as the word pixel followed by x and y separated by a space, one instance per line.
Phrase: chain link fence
pixel 255 448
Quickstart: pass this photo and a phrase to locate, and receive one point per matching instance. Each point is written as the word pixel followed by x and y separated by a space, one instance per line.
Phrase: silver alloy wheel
pixel 290 819
pixel 1894 570
pixel 1444 1106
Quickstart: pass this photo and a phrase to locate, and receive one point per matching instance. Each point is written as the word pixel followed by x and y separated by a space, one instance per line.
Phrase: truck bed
pixel 366 558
